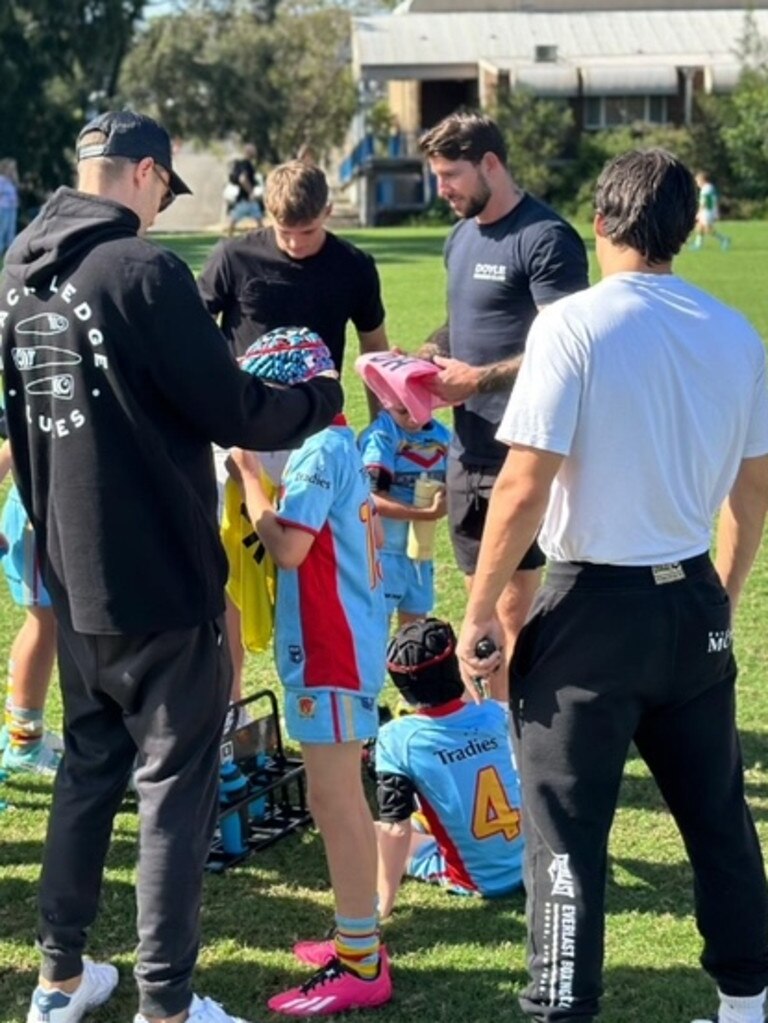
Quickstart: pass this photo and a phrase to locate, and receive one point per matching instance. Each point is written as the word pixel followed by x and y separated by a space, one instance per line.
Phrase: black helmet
pixel 421 658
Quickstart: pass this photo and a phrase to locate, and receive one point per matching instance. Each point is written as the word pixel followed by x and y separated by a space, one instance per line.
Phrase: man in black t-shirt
pixel 294 273
pixel 508 256
pixel 247 201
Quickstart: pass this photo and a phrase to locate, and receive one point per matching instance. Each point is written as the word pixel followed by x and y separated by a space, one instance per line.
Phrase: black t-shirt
pixel 237 170
pixel 257 287
pixel 498 274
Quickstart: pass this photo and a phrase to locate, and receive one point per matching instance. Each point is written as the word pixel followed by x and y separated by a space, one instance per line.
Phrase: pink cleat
pixel 334 988
pixel 315 953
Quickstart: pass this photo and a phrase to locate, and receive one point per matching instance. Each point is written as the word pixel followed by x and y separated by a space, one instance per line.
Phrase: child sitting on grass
pixel 452 762
pixel 330 639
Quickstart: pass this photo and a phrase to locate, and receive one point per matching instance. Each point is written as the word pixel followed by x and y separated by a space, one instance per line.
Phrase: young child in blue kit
pixel 448 791
pixel 397 451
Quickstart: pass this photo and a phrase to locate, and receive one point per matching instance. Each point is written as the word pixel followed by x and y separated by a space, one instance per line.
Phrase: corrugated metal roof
pixel 548 79
pixel 622 79
pixel 462 38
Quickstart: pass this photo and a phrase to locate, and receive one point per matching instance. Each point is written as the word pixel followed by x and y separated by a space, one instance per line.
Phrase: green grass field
pixel 458 961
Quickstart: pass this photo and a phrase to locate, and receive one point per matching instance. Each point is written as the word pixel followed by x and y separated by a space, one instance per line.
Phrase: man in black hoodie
pixel 116 382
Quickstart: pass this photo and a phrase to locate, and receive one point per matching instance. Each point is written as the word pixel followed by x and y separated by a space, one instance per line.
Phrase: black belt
pixel 626 576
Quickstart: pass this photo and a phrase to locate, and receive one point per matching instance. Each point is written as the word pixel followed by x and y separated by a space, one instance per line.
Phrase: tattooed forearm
pixel 436 344
pixel 499 376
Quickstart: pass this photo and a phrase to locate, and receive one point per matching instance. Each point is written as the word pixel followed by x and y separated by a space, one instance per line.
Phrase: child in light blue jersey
pixel 397 451
pixel 452 762
pixel 24 744
pixel 330 640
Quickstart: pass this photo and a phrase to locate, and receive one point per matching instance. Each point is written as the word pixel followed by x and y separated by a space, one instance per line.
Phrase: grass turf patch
pixel 455 960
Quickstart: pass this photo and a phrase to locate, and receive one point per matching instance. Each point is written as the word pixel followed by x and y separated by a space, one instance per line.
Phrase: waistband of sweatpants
pixel 588 574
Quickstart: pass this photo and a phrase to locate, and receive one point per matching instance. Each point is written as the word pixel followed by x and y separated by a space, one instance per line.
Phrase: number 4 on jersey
pixel 492 814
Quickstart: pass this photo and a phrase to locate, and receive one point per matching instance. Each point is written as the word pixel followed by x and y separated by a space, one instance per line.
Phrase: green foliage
pixel 538 133
pixel 211 73
pixel 380 121
pixel 59 60
pixel 745 134
pixel 597 148
pixel 740 124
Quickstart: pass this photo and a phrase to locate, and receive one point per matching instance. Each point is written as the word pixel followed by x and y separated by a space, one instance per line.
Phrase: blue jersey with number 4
pixel 330 616
pixel 458 757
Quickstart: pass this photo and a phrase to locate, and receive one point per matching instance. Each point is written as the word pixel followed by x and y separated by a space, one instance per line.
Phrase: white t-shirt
pixel 654 391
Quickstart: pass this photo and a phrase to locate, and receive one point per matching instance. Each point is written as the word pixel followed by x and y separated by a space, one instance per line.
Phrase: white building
pixel 613 63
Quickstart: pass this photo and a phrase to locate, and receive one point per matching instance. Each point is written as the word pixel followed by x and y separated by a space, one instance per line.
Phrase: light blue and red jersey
pixel 396 458
pixel 330 618
pixel 458 758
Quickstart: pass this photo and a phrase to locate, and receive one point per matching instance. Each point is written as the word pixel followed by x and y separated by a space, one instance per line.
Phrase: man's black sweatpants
pixel 160 698
pixel 611 655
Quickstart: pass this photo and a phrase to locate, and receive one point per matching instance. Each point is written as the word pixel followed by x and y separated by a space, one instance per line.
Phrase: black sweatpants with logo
pixel 162 697
pixel 611 655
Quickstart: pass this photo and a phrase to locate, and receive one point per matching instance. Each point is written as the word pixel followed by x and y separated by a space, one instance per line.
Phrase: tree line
pixel 273 72
pixel 277 73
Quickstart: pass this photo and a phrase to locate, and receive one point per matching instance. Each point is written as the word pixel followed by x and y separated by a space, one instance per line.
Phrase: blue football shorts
pixel 408 585
pixel 428 864
pixel 330 717
pixel 20 563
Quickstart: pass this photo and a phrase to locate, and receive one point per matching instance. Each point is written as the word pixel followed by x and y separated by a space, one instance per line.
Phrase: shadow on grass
pixel 465 992
pixel 642 793
pixel 655 888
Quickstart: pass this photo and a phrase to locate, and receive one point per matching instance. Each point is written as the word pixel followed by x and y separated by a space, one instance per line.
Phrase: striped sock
pixel 24 726
pixel 358 944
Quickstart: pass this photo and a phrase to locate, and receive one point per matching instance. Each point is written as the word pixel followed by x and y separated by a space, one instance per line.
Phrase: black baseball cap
pixel 132 136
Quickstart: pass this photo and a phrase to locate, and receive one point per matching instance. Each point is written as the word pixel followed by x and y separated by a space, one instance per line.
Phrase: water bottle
pixel 233 785
pixel 421 534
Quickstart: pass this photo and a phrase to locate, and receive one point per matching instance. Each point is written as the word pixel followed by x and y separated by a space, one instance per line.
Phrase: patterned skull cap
pixel 287 355
pixel 421 658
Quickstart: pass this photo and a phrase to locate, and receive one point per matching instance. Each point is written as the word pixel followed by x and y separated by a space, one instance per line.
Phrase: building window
pixel 613 111
pixel 545 54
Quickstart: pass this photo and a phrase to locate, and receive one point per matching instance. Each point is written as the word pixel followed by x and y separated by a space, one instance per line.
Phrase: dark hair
pixel 464 136
pixel 648 201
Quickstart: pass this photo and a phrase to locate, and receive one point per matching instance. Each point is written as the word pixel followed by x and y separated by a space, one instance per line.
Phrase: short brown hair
pixel 296 192
pixel 647 199
pixel 464 136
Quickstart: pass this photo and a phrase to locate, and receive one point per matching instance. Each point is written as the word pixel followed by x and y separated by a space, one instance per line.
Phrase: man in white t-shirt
pixel 631 423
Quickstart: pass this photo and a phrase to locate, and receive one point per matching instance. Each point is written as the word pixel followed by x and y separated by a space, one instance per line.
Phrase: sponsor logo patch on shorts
pixel 307 706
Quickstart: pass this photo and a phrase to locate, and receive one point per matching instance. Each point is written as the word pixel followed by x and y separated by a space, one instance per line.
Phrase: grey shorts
pixel 468 491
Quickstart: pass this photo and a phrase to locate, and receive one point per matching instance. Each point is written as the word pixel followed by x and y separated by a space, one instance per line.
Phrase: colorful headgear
pixel 421 658
pixel 287 355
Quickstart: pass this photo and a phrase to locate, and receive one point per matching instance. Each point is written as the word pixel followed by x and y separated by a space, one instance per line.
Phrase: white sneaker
pixel 201 1010
pixel 54 1006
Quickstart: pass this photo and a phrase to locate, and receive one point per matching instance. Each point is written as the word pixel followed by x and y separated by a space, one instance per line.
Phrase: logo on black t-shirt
pixel 490 272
